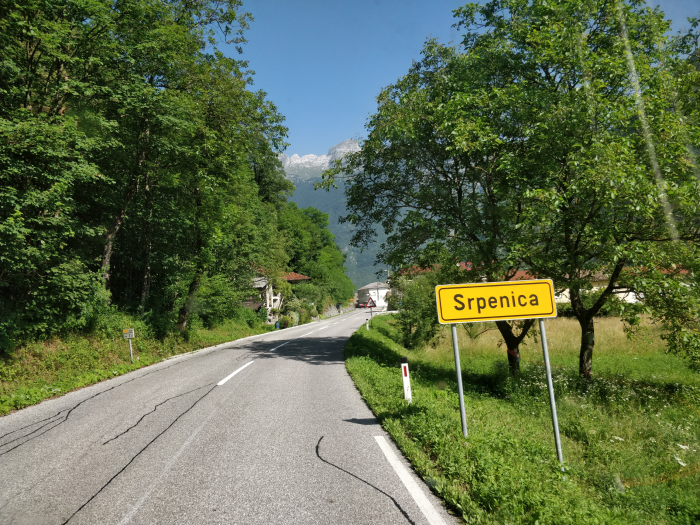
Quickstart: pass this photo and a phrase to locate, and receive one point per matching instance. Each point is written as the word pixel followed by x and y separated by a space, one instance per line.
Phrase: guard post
pixel 499 301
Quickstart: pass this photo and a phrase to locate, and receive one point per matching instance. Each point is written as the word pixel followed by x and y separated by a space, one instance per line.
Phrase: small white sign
pixel 128 333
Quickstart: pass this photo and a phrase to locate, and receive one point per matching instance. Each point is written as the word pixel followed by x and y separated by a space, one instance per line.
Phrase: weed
pixel 41 370
pixel 624 433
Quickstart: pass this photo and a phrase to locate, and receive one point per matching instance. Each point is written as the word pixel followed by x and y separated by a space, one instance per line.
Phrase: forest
pixel 139 172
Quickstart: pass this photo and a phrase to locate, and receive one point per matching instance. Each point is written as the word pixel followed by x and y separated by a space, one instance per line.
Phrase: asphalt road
pixel 287 439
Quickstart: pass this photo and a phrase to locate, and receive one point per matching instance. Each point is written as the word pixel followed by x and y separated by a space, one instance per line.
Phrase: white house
pixel 377 291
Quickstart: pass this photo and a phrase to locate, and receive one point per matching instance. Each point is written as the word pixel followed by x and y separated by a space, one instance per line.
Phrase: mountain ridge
pixel 311 166
pixel 306 170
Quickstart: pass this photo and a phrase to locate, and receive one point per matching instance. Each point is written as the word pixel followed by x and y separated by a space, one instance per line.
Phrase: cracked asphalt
pixel 286 440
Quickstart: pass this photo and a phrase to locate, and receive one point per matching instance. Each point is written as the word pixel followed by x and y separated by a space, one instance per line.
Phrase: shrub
pixel 417 317
pixel 294 316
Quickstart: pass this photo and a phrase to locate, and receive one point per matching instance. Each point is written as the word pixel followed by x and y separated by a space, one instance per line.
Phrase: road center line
pixel 232 374
pixel 304 335
pixel 413 489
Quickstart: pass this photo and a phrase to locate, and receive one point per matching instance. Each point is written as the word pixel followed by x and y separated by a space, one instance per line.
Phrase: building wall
pixel 380 300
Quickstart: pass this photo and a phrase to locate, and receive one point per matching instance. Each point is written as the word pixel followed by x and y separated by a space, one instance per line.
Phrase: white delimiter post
pixel 406 380
pixel 550 387
pixel 462 412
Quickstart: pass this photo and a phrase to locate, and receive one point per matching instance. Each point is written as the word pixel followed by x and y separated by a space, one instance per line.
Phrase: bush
pixel 417 317
pixel 294 316
pixel 217 299
pixel 305 316
pixel 247 316
pixel 392 301
pixel 70 298
pixel 285 321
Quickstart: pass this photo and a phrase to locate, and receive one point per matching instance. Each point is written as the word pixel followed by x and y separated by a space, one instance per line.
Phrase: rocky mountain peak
pixel 311 166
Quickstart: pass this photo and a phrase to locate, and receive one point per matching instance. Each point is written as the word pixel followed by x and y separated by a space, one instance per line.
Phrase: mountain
pixel 311 166
pixel 304 171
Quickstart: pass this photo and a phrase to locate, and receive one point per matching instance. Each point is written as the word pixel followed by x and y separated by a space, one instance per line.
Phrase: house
pixel 266 295
pixel 377 291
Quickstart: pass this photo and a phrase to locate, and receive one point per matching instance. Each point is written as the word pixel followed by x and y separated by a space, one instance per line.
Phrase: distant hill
pixel 304 171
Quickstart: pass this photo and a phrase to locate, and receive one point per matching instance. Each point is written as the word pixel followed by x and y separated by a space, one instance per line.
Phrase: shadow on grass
pixel 498 383
pixel 493 383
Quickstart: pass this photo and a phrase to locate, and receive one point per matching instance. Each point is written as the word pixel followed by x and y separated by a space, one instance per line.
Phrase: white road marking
pixel 304 335
pixel 413 489
pixel 233 374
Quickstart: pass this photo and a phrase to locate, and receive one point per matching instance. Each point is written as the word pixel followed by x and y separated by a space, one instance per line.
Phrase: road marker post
pixel 499 301
pixel 406 380
pixel 129 334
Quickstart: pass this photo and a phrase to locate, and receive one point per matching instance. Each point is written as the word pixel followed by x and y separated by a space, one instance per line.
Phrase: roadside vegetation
pixel 557 139
pixel 140 187
pixel 630 435
pixel 52 367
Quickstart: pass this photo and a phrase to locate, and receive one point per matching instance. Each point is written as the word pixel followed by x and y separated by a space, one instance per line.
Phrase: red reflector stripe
pixel 405 371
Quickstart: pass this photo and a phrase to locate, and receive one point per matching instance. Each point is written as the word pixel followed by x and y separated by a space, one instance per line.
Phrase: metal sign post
pixel 129 334
pixel 500 301
pixel 371 304
pixel 458 366
pixel 550 387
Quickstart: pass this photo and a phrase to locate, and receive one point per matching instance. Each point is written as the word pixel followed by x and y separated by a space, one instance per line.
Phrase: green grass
pixel 46 369
pixel 624 433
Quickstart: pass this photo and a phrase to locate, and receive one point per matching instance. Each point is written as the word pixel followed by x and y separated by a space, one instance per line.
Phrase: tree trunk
pixel 513 342
pixel 145 288
pixel 109 244
pixel 117 224
pixel 585 359
pixel 184 312
pixel 112 233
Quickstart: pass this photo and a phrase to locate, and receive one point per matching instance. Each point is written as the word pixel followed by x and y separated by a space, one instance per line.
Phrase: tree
pixel 535 148
pixel 134 155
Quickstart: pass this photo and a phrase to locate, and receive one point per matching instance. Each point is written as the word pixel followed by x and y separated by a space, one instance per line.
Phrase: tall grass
pixel 642 357
pixel 45 369
pixel 630 436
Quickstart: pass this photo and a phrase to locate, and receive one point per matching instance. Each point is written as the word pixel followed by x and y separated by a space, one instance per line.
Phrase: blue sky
pixel 323 62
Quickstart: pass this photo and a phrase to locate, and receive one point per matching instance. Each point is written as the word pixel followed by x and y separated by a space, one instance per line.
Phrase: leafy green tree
pixel 313 252
pixel 549 144
pixel 132 153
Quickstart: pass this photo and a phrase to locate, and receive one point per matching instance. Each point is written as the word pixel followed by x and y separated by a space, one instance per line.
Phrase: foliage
pixel 139 170
pixel 56 366
pixel 417 319
pixel 630 445
pixel 312 252
pixel 555 141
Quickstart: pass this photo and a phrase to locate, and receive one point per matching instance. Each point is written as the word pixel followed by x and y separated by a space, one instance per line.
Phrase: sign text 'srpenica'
pixel 463 303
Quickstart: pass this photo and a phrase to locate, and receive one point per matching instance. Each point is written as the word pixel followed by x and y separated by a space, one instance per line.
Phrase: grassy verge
pixel 46 369
pixel 630 437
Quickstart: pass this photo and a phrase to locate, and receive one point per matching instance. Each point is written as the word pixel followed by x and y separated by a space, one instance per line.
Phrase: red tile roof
pixel 293 276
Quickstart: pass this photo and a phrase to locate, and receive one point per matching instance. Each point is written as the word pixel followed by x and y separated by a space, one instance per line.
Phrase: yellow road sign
pixel 475 302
